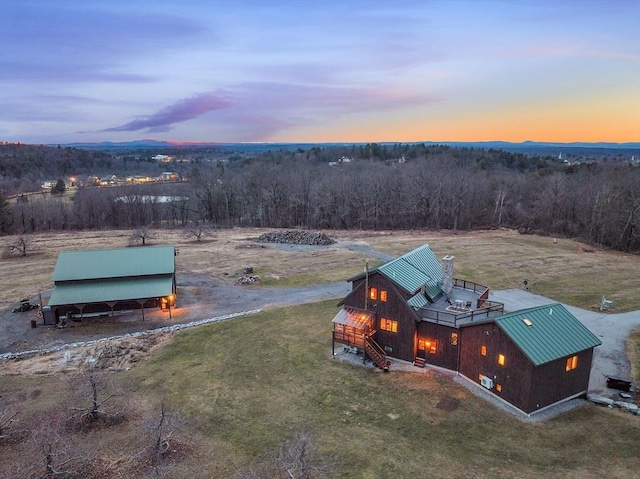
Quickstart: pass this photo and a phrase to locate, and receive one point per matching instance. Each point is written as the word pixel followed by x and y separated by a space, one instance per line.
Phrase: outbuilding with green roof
pixel 531 358
pixel 104 281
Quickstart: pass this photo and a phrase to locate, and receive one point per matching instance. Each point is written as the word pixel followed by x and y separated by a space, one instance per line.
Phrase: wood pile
pixel 248 279
pixel 299 237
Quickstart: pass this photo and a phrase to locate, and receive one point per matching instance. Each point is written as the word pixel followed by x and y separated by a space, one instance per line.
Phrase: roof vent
pixel 528 322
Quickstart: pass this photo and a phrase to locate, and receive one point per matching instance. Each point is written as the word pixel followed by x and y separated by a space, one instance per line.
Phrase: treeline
pixel 382 188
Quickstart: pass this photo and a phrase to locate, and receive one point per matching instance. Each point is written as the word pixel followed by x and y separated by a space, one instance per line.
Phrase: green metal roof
pixel 102 291
pixel 414 270
pixel 418 301
pixel 114 263
pixel 405 275
pixel 554 333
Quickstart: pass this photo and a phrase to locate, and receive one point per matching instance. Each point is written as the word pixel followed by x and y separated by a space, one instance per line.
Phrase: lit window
pixel 572 363
pixel 373 293
pixel 454 339
pixel 428 345
pixel 499 388
pixel 483 350
pixel 383 295
pixel 501 359
pixel 389 325
pixel 480 376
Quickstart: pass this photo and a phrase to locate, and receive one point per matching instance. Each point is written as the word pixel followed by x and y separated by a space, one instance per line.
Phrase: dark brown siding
pixel 515 377
pixel 446 355
pixel 552 383
pixel 398 345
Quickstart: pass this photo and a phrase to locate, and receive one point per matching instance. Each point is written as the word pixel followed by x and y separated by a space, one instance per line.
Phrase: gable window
pixel 483 350
pixel 572 363
pixel 389 325
pixel 373 293
pixel 454 339
pixel 383 295
pixel 428 345
pixel 501 359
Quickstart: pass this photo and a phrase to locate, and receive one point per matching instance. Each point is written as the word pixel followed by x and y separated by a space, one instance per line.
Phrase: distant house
pixel 104 281
pixel 169 176
pixel 413 309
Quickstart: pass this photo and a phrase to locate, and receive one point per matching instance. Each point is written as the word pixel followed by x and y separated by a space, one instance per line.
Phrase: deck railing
pixel 351 339
pixel 488 308
pixel 471 286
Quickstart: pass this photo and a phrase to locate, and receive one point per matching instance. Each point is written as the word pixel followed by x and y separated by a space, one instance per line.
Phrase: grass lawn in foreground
pixel 253 382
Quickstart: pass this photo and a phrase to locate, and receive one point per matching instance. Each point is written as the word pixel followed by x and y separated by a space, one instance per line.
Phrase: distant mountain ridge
pixel 504 145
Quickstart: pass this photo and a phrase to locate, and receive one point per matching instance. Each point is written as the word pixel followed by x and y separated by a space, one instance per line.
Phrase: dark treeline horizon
pixel 400 187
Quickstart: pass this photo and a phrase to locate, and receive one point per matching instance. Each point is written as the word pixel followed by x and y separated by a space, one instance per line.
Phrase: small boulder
pixel 601 400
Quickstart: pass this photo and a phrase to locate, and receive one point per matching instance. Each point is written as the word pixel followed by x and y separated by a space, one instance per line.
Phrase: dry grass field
pixel 237 391
pixel 566 271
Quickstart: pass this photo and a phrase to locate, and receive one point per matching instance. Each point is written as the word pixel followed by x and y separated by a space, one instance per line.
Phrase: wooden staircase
pixel 419 362
pixel 376 353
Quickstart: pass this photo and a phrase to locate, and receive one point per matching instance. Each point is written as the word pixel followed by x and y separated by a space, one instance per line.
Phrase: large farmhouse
pixel 104 281
pixel 413 309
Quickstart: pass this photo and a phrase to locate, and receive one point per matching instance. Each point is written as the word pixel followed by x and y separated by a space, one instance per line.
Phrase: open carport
pixel 104 281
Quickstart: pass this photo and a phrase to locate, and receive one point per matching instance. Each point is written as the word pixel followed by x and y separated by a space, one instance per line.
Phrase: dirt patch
pixel 448 404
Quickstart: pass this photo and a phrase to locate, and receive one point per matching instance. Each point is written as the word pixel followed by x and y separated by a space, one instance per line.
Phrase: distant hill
pixel 527 147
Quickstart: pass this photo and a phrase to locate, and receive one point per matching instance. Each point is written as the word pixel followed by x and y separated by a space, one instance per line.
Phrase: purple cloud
pixel 262 110
pixel 183 110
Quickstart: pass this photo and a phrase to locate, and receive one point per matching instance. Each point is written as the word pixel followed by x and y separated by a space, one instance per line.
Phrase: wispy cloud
pixel 262 110
pixel 59 42
pixel 183 110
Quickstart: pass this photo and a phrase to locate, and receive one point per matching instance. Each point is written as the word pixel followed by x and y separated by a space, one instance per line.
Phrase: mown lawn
pixel 254 382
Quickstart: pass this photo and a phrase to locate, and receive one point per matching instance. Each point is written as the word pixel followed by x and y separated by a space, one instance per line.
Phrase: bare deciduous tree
pixel 141 235
pixel 95 410
pixel 297 460
pixel 198 230
pixel 20 244
pixel 160 440
pixel 56 455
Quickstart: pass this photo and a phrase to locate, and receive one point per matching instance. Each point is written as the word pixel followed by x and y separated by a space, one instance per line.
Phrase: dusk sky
pixel 319 71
